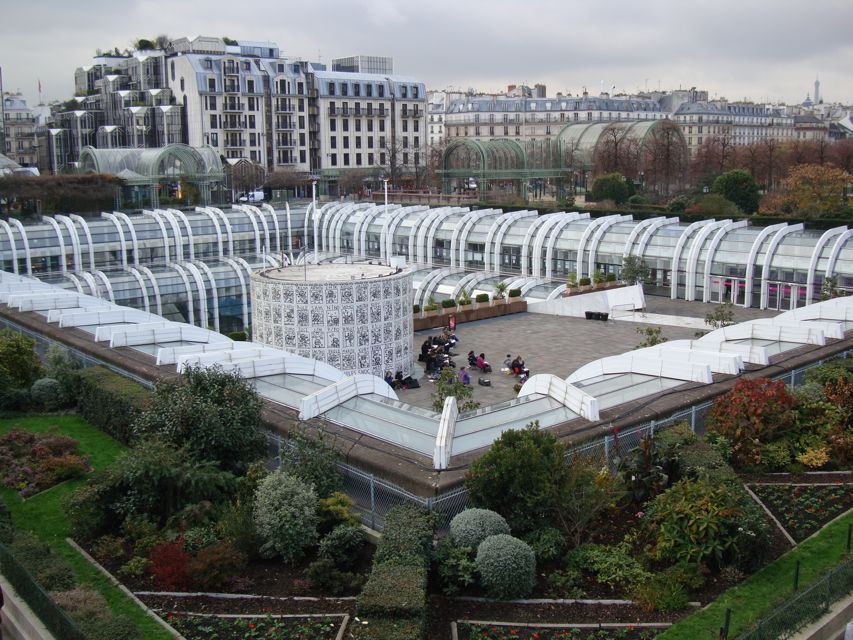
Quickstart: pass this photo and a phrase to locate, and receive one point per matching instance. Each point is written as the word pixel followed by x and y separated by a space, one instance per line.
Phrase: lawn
pixel 759 594
pixel 43 515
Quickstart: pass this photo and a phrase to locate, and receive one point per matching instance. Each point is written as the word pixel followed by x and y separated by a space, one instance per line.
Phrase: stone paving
pixel 555 344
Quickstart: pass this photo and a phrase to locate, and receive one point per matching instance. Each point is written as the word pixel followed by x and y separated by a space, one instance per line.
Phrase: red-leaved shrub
pixel 169 565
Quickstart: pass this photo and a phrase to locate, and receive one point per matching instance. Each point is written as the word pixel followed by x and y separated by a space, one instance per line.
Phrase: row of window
pixel 346 157
pixel 343 89
pixel 345 141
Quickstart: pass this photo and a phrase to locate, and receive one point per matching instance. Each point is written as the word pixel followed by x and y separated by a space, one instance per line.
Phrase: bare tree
pixel 245 175
pixel 664 158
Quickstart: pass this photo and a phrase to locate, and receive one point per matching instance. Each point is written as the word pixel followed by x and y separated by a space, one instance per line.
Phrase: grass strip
pixel 43 515
pixel 766 589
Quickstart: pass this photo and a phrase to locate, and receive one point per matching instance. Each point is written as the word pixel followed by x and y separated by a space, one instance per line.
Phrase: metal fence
pixel 51 614
pixel 806 606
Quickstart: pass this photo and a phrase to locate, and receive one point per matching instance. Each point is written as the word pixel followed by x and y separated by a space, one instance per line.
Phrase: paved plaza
pixel 560 345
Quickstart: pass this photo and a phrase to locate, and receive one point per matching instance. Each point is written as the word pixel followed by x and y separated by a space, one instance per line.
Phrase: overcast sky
pixel 760 49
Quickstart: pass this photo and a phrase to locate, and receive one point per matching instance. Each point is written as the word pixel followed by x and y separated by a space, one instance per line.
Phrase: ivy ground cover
pixel 506 632
pixel 803 509
pixel 194 627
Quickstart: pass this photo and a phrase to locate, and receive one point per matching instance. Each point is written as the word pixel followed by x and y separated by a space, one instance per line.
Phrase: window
pixel 300 88
pixel 246 65
pixel 333 125
pixel 346 159
pixel 331 88
pixel 369 126
pixel 301 122
pixel 358 124
pixel 405 142
pixel 213 121
pixel 251 122
pixel 381 125
pixel 253 139
pixel 301 139
pixel 212 103
pixel 300 105
pixel 334 159
pixel 369 155
pixel 345 124
pixel 344 89
pixel 405 125
pixel 381 142
pixel 253 104
pixel 415 92
pixel 380 90
pixel 302 155
pixel 358 159
pixel 417 158
pixel 370 143
pixel 172 68
pixel 368 91
pixel 416 142
pixel 356 91
pixel 333 142
pixel 404 92
pixel 214 139
pixel 281 68
pixel 250 86
pixel 382 158
pixel 405 157
pixel 358 142
pixel 416 125
pixel 346 142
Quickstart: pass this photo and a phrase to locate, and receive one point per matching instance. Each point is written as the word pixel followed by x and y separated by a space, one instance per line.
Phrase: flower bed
pixel 33 462
pixel 803 509
pixel 207 627
pixel 470 631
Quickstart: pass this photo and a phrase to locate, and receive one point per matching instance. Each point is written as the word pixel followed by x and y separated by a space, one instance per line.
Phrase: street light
pixel 314 213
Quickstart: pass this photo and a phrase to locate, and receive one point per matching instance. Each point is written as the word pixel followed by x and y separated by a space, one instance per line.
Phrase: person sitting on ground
pixel 389 378
pixel 464 378
pixel 472 358
pixel 399 382
pixel 482 364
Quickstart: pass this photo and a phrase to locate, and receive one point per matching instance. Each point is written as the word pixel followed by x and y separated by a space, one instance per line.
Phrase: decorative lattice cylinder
pixel 356 317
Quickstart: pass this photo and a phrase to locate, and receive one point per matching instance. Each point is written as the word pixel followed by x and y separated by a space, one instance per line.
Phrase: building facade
pixel 19 131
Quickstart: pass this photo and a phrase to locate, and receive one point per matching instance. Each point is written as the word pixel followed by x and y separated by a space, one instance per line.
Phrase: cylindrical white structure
pixel 356 317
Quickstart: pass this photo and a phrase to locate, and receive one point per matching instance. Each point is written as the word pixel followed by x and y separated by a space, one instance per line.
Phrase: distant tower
pixel 817 91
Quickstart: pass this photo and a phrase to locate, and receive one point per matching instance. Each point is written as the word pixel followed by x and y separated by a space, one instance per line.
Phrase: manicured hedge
pixel 482 297
pixel 514 293
pixel 394 599
pixel 111 402
pixel 416 308
pixel 448 304
pixel 584 282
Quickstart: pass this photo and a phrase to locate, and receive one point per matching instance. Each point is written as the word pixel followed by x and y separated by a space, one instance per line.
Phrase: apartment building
pixel 19 130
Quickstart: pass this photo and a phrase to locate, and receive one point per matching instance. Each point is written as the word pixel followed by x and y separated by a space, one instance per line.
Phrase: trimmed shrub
pixel 394 591
pixel 341 545
pixel 611 565
pixel 481 297
pixel 170 564
pixel 136 567
pixel 12 399
pixel 514 293
pixel 111 402
pixel 46 393
pixel 610 277
pixel 20 366
pixel 312 460
pixel 238 336
pixel 285 515
pixel 336 510
pixel 416 308
pixel 213 566
pixel 237 526
pixel 448 304
pixel 65 368
pixel 470 527
pixel 406 538
pixel 455 566
pixel 584 282
pixel 547 543
pixel 776 456
pixel 326 576
pixel 507 567
pixel 82 604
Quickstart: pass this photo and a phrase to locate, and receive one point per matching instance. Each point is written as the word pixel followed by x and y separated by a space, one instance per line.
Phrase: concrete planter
pixel 464 314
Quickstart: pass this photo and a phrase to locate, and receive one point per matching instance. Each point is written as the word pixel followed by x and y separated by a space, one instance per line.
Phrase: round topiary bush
pixel 285 515
pixel 507 567
pixel 47 393
pixel 472 526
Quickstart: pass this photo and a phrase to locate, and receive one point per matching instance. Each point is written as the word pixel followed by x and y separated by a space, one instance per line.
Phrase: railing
pixel 51 614
pixel 806 606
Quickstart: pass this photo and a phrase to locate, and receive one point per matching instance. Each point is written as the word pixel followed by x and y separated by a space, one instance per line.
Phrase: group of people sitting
pixel 515 366
pixel 398 381
pixel 436 352
pixel 479 361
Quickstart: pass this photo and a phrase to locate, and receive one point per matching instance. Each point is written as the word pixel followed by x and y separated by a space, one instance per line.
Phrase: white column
pixel 85 226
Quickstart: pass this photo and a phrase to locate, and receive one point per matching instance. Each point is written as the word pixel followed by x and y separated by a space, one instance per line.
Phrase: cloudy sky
pixel 761 49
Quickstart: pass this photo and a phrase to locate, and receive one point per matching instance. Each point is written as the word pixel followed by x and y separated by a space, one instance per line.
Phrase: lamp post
pixel 385 186
pixel 314 213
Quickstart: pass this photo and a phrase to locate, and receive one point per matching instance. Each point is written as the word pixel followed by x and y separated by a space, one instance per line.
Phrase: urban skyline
pixel 766 54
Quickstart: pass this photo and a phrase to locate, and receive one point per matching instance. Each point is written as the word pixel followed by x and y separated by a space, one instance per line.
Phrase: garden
pixel 170 492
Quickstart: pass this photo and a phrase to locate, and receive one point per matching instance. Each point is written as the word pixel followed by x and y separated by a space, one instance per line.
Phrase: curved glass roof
pixel 148 165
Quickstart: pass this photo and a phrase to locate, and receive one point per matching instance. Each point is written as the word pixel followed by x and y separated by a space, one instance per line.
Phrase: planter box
pixel 468 314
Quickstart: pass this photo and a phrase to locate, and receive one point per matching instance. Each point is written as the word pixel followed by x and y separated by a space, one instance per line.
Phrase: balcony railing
pixel 232 106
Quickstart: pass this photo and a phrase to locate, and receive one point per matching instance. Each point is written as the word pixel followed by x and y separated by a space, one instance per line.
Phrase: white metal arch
pixel 202 293
pixel 336 230
pixel 504 228
pixel 647 236
pixel 255 229
pixel 339 392
pixel 183 276
pixel 239 272
pixel 465 226
pixel 132 229
pixel 768 259
pixel 311 210
pixel 321 223
pixel 75 280
pixel 268 208
pixel 327 220
pixel 570 396
pixel 836 251
pixel 289 231
pixel 263 220
pixel 528 237
pixel 490 236
pixel 62 258
pixel 120 231
pixel 676 254
pixel 693 255
pixel 479 277
pixel 388 228
pixel 641 226
pixel 599 234
pixel 818 250
pixel 20 227
pixel 529 284
pixel 216 228
pixel 585 237
pixel 229 232
pixel 90 280
pixel 156 287
pixel 142 287
pixel 420 221
pixel 436 225
pixel 753 256
pixel 8 231
pixel 176 230
pixel 85 226
pixel 425 228
pixel 542 235
pixel 552 242
pixel 463 282
pixel 75 240
pixel 107 284
pixel 709 257
pixel 215 291
pixel 180 215
pixel 155 216
pixel 359 233
pixel 556 293
pixel 429 284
